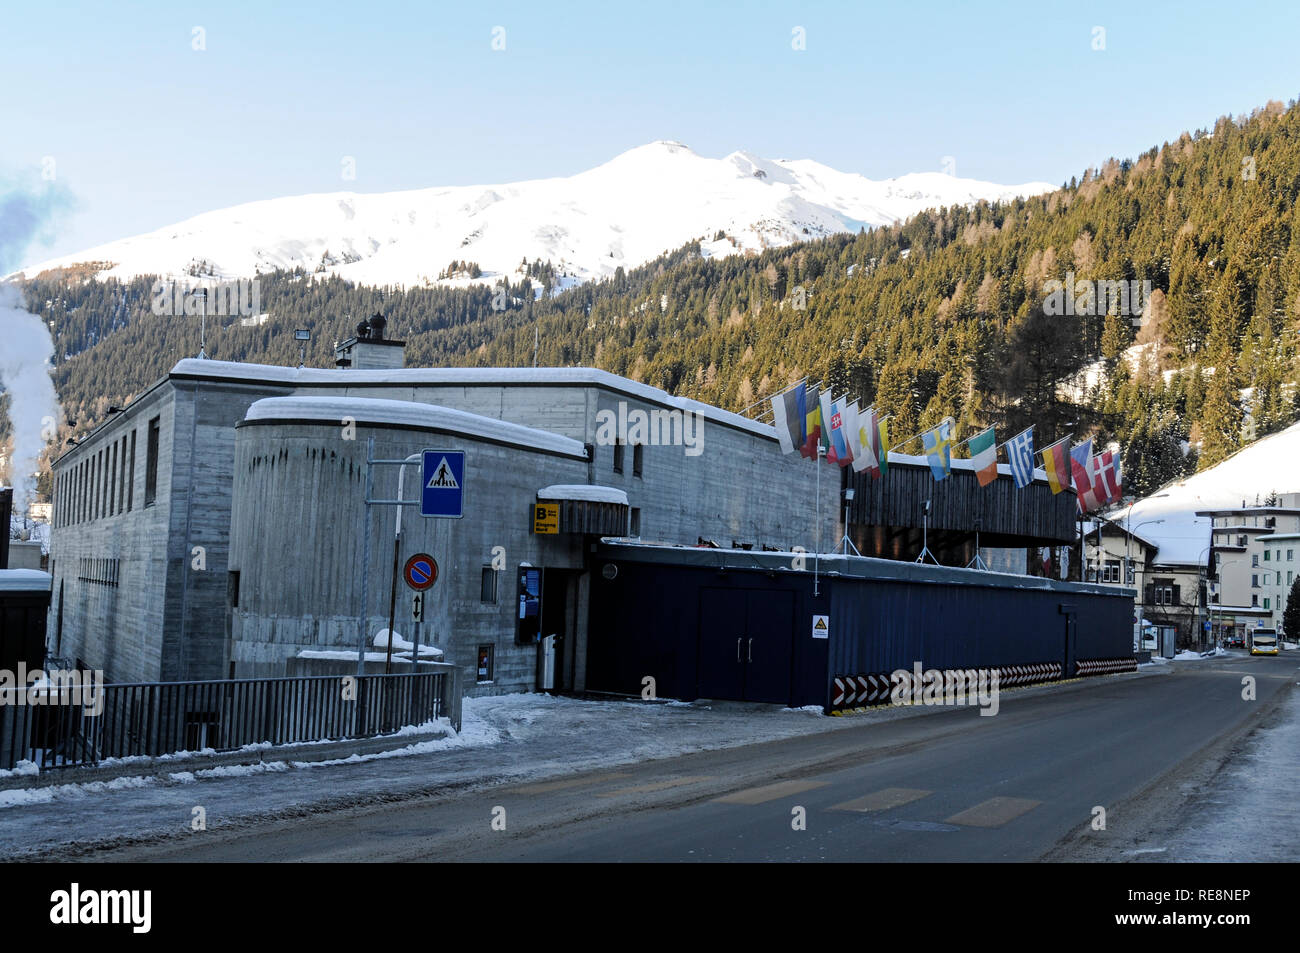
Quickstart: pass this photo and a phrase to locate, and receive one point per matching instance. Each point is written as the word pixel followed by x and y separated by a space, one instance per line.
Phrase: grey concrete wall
pixel 740 488
pixel 114 628
pixel 295 540
pixel 166 617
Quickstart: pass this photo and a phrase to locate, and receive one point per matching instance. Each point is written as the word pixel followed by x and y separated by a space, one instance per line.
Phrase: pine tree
pixel 1291 615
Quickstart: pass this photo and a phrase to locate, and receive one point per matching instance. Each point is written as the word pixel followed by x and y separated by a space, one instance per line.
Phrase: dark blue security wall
pixel 646 621
pixel 884 616
pixel 880 626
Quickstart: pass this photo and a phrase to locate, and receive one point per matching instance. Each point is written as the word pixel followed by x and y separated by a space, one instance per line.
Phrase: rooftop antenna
pixel 203 325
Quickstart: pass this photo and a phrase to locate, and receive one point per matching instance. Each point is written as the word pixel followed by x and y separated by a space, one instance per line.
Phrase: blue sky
pixel 145 130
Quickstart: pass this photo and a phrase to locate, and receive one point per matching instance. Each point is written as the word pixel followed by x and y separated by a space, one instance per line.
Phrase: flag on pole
pixel 881 446
pixel 938 449
pixel 853 431
pixel 786 419
pixel 1080 464
pixel 1115 478
pixel 1107 479
pixel 1020 455
pixel 1056 461
pixel 864 454
pixel 839 431
pixel 812 423
pixel 984 454
pixel 826 414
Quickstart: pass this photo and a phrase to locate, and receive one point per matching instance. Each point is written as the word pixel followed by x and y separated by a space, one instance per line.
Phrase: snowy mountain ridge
pixel 640 204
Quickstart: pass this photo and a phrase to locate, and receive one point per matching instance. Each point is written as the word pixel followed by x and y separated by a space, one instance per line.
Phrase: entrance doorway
pixel 746 645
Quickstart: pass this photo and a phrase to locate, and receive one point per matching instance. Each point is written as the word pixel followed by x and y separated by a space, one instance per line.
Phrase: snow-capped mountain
pixel 640 204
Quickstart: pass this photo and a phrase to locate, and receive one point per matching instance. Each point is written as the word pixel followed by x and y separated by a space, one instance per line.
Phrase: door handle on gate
pixel 750 649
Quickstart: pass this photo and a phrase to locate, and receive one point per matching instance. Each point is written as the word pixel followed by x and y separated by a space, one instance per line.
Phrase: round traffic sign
pixel 421 572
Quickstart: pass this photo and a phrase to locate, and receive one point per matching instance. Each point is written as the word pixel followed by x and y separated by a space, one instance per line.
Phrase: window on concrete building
pixel 638 458
pixel 110 457
pixel 121 480
pixel 1111 572
pixel 486 655
pixel 1266 603
pixel 618 455
pixel 130 477
pixel 1290 555
pixel 232 588
pixel 634 521
pixel 1254 600
pixel 1254 559
pixel 1241 540
pixel 1267 554
pixel 151 463
pixel 488 586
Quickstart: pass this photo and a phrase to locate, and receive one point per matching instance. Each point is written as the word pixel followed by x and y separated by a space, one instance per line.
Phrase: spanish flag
pixel 1056 461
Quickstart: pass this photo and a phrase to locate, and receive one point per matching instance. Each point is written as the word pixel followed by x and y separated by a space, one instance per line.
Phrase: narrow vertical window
pixel 151 463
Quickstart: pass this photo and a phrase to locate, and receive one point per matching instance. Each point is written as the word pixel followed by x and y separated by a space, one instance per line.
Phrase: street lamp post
pixel 1128 540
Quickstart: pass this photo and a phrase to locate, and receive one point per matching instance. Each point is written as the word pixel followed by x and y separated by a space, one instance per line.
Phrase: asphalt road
pixel 949 786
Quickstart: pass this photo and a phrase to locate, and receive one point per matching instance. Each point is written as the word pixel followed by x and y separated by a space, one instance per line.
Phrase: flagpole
pixel 818 553
pixel 770 397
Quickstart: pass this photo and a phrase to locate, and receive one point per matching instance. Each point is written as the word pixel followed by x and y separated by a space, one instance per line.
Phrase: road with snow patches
pixel 945 785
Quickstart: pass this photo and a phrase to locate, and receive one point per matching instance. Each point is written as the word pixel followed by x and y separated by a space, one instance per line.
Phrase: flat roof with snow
pixel 193 368
pixel 412 414
pixel 25 580
pixel 583 493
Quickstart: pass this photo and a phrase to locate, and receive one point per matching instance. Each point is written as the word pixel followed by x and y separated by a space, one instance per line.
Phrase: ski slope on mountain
pixel 631 209
pixel 1271 464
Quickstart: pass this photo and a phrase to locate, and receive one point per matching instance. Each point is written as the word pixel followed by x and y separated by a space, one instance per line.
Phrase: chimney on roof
pixel 369 350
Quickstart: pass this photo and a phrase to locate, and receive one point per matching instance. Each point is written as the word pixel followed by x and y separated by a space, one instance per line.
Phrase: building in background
pixel 1255 551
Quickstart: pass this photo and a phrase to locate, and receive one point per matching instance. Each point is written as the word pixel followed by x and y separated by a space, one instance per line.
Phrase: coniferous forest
pixel 943 315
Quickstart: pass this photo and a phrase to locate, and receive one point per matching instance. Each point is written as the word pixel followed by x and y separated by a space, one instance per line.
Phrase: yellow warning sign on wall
pixel 546 519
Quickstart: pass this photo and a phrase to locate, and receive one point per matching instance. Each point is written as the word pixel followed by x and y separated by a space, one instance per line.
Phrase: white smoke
pixel 25 353
pixel 25 345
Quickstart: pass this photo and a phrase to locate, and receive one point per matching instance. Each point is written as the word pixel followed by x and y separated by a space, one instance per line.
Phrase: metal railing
pixel 155 718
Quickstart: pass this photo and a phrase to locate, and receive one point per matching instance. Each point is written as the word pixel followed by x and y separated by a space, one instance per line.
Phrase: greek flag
pixel 1020 454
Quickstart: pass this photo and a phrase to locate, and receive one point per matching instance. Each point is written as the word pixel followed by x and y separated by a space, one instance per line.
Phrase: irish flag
pixel 984 454
pixel 1056 461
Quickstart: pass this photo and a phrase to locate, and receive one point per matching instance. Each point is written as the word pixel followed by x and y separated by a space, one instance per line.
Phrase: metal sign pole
pixel 365 559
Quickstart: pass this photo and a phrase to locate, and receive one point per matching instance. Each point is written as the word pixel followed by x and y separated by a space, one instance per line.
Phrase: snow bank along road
pixel 570 780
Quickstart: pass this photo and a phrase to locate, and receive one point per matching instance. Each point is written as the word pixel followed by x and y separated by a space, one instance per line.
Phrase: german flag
pixel 1056 461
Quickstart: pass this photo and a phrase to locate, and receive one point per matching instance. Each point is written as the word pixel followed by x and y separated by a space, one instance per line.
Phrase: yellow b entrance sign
pixel 546 519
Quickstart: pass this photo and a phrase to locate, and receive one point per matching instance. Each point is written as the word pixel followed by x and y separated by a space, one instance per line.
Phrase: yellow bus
pixel 1263 641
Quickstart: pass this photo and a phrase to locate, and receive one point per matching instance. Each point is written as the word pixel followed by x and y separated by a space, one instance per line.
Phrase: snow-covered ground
pixel 636 206
pixel 503 738
pixel 1246 812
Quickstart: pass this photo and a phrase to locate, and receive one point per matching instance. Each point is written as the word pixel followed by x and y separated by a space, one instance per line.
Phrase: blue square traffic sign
pixel 443 483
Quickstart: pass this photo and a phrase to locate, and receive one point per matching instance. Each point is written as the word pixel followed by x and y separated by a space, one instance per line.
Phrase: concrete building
pixel 1255 557
pixel 147 506
pixel 217 526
